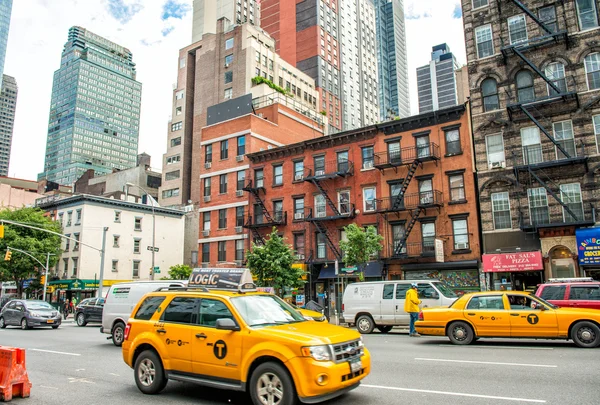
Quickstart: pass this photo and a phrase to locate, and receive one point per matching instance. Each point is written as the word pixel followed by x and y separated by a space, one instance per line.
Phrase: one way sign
pixel 150 248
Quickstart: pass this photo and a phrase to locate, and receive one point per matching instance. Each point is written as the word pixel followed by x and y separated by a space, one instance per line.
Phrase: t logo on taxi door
pixel 220 349
pixel 532 319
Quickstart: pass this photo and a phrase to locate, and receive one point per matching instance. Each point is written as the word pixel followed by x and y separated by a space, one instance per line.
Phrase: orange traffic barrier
pixel 13 374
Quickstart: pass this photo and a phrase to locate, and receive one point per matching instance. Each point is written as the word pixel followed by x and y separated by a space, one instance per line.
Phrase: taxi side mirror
pixel 227 324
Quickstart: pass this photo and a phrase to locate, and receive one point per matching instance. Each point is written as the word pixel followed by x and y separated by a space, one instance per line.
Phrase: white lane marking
pixel 116 375
pixel 50 388
pixel 499 347
pixel 55 352
pixel 456 394
pixel 488 362
pixel 80 380
pixel 80 369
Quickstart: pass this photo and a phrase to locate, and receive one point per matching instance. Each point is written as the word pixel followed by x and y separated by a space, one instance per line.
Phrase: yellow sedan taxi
pixel 510 314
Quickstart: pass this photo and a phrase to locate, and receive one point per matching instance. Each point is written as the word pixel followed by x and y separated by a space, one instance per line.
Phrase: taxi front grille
pixel 353 375
pixel 347 350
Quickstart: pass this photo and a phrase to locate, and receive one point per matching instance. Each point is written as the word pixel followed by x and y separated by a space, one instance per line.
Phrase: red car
pixel 575 292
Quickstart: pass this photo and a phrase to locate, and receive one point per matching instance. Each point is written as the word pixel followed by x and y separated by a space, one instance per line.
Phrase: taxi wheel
pixel 149 373
pixel 271 384
pixel 384 329
pixel 81 319
pixel 365 324
pixel 118 334
pixel 460 333
pixel 586 334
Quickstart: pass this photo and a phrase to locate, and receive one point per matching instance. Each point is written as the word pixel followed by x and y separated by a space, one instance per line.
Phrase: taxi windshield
pixel 265 310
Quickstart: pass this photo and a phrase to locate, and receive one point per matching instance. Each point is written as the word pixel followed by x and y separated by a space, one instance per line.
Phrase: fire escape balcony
pixel 346 211
pixel 426 199
pixel 534 218
pixel 536 42
pixel 264 220
pixel 329 170
pixel 519 108
pixel 548 155
pixel 254 186
pixel 406 156
pixel 413 249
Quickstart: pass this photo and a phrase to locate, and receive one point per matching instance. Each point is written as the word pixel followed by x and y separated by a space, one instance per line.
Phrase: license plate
pixel 355 365
pixel 50 321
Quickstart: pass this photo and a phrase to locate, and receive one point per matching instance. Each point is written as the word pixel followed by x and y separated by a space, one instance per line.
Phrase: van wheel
pixel 118 333
pixel 586 334
pixel 460 333
pixel 365 324
pixel 384 329
pixel 149 373
pixel 270 383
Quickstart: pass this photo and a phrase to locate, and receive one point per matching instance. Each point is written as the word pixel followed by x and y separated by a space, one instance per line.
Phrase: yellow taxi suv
pixel 509 314
pixel 241 340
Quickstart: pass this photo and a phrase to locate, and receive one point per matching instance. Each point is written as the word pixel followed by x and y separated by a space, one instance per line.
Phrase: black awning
pixel 461 265
pixel 373 269
pixel 327 272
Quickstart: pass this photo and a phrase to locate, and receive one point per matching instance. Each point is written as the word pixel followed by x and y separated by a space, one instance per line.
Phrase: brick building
pixel 411 178
pixel 534 70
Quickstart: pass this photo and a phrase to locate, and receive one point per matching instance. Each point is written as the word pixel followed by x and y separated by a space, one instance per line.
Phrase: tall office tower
pixel 8 102
pixel 94 110
pixel 5 12
pixel 206 13
pixel 436 82
pixel 394 100
pixel 360 96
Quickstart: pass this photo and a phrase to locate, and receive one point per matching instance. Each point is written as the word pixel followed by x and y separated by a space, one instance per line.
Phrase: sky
pixel 154 31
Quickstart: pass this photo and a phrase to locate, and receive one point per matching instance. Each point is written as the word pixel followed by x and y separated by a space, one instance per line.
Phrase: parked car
pixel 571 292
pixel 28 314
pixel 89 310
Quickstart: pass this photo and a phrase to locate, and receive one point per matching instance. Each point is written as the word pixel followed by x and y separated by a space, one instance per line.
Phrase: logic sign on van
pixel 220 278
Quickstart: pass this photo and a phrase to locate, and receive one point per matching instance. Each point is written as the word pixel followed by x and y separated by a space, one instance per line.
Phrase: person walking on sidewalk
pixel 411 307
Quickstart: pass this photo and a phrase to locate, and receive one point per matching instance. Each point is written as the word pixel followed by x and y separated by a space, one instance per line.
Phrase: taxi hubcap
pixel 586 335
pixel 269 389
pixel 460 333
pixel 146 372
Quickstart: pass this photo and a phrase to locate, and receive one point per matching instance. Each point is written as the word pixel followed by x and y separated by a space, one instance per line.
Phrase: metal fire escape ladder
pixel 258 238
pixel 532 16
pixel 541 127
pixel 327 199
pixel 552 193
pixel 255 191
pixel 322 229
pixel 537 70
pixel 399 200
pixel 409 227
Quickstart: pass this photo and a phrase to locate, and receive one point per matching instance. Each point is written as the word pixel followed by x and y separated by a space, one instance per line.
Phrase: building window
pixel 299 245
pixel 228 94
pixel 278 210
pixel 460 233
pixel 241 179
pixel 172 175
pixel 174 192
pixel 176 126
pixel 206 221
pixel 173 159
pixel 489 90
pixel 117 216
pixel 60 218
pixel 178 110
pixel 207 187
pixel 320 206
pixel 479 3
pixel 298 170
pixel 457 187
pixel 547 15
pixel 205 252
pixel 223 184
pixel 137 224
pixel 342 162
pixel 398 235
pixel 570 194
pixel 116 241
pixel 228 77
pixel 208 153
pixel 69 218
pixel 115 266
pixel 229 43
pixel 532 147
pixel 135 272
pixel 241 145
pixel 538 206
pixel 239 216
pixel 319 163
pixel 344 205
pixel 592 70
pixel 428 237
pixel 422 143
pixel 277 175
pixel 426 191
pixel 136 245
pixel 259 178
pixel 501 211
pixel 483 38
pixel 563 134
pixel 369 196
pixel 223 219
pixel 517 29
pixel 181 63
pixel 222 253
pixel 367 157
pixel 224 149
pixel 556 73
pixel 76 244
pixel 525 89
pixel 586 11
pixel 299 208
pixel 179 95
pixel 228 59
pixel 175 142
pixel 596 121
pixel 67 242
pixel 453 146
pixel 239 249
pixel 321 246
pixel 78 217
pixel 66 266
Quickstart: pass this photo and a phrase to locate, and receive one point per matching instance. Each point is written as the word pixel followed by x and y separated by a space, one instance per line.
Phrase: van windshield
pixel 444 289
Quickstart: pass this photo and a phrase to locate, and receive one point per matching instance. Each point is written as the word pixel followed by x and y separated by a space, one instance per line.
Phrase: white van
pixel 380 304
pixel 120 301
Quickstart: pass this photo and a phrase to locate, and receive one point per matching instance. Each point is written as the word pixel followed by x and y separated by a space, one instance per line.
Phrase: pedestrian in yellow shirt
pixel 411 307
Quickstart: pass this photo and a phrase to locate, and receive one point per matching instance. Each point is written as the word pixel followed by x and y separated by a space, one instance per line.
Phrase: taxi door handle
pixel 514 314
pixel 471 314
pixel 200 335
pixel 161 331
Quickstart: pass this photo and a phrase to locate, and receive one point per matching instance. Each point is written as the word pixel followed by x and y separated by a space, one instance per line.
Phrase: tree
pixel 38 243
pixel 360 247
pixel 180 272
pixel 271 264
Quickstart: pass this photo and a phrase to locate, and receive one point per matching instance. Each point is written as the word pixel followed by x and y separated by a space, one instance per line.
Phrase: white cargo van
pixel 380 304
pixel 120 301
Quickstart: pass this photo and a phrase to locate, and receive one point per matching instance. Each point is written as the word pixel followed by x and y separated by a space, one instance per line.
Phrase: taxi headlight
pixel 319 353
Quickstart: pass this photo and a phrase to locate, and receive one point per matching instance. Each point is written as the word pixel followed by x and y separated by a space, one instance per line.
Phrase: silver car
pixel 28 314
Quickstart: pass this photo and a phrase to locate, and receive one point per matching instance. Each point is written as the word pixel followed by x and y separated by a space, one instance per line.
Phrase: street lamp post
pixel 153 225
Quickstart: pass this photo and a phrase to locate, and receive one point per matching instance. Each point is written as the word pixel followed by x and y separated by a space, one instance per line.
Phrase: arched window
pixel 489 90
pixel 556 73
pixel 592 70
pixel 525 91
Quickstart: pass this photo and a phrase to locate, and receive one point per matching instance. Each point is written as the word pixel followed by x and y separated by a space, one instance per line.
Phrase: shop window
pixel 561 263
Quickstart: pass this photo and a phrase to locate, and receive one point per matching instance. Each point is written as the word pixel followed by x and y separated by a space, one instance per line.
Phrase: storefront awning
pixel 79 284
pixel 373 269
pixel 512 262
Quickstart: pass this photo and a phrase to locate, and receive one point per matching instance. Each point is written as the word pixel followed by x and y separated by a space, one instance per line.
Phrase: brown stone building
pixel 534 70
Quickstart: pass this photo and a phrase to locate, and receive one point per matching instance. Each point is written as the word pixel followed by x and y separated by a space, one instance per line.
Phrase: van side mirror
pixel 226 324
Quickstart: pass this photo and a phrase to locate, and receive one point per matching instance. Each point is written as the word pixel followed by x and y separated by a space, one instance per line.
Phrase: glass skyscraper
pixel 5 11
pixel 436 82
pixel 94 110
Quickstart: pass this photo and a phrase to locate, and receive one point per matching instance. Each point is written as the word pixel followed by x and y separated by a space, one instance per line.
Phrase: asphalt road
pixel 73 365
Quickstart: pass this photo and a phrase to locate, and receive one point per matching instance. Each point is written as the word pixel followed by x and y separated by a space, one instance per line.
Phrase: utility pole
pixel 46 276
pixel 102 253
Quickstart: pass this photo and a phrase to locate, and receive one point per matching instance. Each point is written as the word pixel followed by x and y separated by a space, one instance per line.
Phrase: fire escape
pixel 401 203
pixel 538 162
pixel 323 215
pixel 262 217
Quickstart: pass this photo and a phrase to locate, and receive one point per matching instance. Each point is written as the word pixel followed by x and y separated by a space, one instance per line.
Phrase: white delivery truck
pixel 380 304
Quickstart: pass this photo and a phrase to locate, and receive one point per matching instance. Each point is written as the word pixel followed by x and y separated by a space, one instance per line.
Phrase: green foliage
pixel 361 245
pixel 259 79
pixel 271 264
pixel 179 272
pixel 323 112
pixel 36 242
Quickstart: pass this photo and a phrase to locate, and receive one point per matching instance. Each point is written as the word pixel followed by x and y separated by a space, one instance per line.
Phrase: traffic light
pixel 1 231
pixel 43 280
pixel 7 256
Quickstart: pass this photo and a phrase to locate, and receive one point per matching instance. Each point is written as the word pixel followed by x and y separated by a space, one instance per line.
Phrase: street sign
pixel 349 269
pixel 156 270
pixel 439 251
pixel 150 248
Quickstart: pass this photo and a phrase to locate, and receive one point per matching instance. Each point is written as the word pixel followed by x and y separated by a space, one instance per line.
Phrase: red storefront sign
pixel 506 262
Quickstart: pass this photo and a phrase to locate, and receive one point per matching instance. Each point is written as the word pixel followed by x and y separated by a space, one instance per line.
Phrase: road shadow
pixel 490 342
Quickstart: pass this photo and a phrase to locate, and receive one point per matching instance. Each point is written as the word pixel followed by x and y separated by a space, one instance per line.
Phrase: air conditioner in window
pixel 298 177
pixel 426 200
pixel 206 198
pixel 238 229
pixel 320 173
pixel 239 193
pixel 368 164
pixel 227 65
pixel 204 265
pixel 300 257
pixel 462 245
pixel 299 215
pixel 239 158
pixel 321 214
pixel 497 165
pixel 207 165
pixel 206 232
